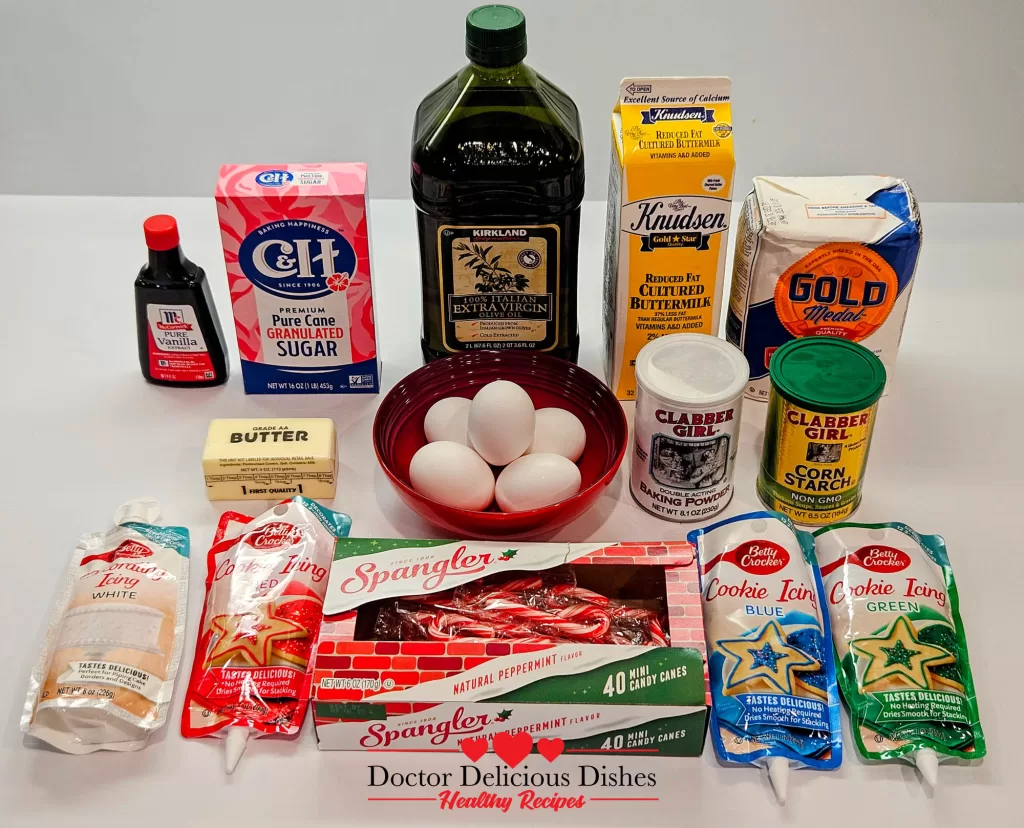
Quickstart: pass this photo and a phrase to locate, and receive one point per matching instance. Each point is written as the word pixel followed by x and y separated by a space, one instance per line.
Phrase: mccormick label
pixel 298 261
pixel 822 257
pixel 668 215
pixel 812 464
pixel 177 349
pixel 499 286
pixel 683 457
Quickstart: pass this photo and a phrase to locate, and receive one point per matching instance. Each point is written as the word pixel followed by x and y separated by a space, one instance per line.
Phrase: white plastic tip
pixel 138 510
pixel 927 762
pixel 234 747
pixel 778 773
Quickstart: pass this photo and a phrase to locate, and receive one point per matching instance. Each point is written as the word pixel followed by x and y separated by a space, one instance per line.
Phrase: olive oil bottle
pixel 497 177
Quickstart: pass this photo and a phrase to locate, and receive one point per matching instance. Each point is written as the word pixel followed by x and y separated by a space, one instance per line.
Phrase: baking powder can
pixel 689 393
pixel 821 414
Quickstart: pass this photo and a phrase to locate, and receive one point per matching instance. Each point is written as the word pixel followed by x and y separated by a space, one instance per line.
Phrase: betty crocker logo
pixel 881 558
pixel 430 575
pixel 127 549
pixel 756 557
pixel 277 535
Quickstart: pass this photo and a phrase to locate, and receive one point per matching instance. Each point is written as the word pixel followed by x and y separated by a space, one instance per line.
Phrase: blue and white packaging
pixel 775 702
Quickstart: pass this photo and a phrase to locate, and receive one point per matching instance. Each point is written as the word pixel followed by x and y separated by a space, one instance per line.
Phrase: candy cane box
pixel 297 253
pixel 429 643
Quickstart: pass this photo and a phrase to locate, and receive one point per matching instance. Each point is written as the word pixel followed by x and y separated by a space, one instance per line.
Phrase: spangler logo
pixel 296 259
pixel 426 575
pixel 380 735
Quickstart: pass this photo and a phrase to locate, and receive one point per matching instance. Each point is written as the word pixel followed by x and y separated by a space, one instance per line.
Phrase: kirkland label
pixel 499 286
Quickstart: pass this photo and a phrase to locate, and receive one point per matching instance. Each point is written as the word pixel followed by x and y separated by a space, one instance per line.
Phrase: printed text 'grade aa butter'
pixel 298 261
pixel 668 215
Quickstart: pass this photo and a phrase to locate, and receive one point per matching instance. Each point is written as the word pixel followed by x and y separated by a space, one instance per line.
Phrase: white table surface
pixel 82 432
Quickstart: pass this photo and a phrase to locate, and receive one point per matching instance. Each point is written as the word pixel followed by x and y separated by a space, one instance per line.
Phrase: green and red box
pixel 428 695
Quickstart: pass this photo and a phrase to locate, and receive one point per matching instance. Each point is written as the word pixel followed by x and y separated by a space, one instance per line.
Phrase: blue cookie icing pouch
pixel 775 702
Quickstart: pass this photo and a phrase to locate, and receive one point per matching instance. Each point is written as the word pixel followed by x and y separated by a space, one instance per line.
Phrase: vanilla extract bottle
pixel 497 177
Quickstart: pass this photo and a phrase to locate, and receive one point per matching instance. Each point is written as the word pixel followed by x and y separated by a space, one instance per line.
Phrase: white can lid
pixel 692 369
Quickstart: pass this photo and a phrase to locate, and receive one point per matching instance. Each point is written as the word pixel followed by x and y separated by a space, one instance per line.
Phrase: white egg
pixel 536 480
pixel 452 474
pixel 448 419
pixel 558 431
pixel 501 422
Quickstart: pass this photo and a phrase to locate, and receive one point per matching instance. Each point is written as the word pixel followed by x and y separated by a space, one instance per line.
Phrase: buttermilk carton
pixel 669 207
pixel 297 253
pixel 824 256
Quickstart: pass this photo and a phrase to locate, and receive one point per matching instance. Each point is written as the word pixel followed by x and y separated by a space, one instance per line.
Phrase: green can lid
pixel 496 35
pixel 827 374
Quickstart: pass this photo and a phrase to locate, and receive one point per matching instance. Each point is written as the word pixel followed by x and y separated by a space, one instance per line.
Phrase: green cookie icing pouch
pixel 901 653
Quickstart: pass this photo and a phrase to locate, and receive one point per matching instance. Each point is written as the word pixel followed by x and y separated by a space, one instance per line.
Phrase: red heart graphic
pixel 512 749
pixel 550 749
pixel 474 748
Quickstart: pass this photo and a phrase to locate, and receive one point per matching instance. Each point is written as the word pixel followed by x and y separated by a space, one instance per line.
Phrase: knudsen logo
pixel 276 535
pixel 381 735
pixel 756 557
pixel 699 214
pixel 127 549
pixel 874 558
pixel 677 113
pixel 428 575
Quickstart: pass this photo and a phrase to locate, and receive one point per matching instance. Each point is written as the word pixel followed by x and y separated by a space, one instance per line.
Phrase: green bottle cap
pixel 496 36
pixel 827 374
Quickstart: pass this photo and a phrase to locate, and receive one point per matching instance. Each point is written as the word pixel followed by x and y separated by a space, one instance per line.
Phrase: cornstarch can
pixel 689 392
pixel 821 412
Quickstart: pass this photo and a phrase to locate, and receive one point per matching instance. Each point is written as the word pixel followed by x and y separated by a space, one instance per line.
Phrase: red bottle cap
pixel 161 232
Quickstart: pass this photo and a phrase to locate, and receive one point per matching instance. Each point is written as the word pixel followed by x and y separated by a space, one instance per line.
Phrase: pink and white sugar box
pixel 297 253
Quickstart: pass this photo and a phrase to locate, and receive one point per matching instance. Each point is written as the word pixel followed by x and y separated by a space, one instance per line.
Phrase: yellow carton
pixel 669 203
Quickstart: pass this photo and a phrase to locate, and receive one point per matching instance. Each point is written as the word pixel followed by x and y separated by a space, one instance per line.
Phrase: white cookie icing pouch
pixel 775 702
pixel 265 583
pixel 900 644
pixel 105 673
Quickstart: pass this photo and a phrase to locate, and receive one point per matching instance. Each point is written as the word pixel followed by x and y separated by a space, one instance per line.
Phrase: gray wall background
pixel 133 97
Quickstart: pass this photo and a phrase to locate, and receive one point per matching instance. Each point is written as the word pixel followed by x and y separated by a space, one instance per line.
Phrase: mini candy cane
pixel 579 594
pixel 530 609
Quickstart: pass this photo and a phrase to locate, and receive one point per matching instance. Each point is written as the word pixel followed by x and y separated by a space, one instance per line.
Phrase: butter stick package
pixel 900 645
pixel 270 459
pixel 106 670
pixel 775 702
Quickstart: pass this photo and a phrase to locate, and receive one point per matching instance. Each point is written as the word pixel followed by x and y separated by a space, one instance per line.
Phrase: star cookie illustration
pixel 767 657
pixel 898 654
pixel 250 635
pixel 308 612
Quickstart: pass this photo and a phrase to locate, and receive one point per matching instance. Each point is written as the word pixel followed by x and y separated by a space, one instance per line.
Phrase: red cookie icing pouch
pixel 265 584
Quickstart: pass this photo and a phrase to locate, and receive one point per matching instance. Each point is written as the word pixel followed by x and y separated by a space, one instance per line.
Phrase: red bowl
pixel 550 382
